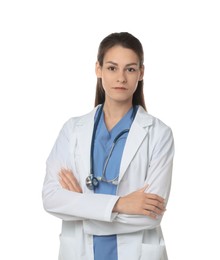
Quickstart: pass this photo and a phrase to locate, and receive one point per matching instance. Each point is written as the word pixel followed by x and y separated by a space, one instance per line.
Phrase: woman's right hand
pixel 140 203
pixel 68 181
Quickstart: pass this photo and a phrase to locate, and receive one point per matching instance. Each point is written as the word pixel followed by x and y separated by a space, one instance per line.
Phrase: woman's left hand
pixel 68 181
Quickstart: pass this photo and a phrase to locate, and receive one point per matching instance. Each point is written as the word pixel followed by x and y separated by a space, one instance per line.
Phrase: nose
pixel 121 78
pixel 121 81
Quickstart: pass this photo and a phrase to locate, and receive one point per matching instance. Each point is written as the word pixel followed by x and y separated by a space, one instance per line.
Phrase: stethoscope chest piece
pixel 92 182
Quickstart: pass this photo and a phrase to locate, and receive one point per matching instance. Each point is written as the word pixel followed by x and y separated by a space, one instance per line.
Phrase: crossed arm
pixel 135 203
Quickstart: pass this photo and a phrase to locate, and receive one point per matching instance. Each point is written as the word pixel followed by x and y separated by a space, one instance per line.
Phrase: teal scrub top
pixel 105 247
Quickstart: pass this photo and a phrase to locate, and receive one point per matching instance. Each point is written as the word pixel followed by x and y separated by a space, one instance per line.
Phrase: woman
pixel 109 173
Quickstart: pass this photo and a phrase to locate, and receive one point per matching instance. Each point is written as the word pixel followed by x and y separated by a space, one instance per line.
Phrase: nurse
pixel 109 173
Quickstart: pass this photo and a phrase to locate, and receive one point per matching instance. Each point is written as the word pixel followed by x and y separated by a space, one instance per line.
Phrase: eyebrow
pixel 127 65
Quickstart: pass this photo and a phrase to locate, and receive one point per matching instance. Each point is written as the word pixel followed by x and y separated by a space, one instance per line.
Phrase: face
pixel 120 74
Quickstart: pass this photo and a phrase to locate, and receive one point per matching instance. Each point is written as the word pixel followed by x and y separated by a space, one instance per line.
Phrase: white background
pixel 47 56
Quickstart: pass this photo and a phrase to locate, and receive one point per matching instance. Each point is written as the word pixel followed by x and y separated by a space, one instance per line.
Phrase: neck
pixel 113 112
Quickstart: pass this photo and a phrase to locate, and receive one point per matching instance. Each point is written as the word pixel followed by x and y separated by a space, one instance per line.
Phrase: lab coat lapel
pixel 84 137
pixel 137 133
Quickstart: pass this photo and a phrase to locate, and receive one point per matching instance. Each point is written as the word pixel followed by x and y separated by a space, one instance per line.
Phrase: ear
pixel 98 70
pixel 141 73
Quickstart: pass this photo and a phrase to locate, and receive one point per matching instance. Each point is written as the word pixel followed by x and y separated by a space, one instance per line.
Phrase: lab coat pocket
pixel 152 252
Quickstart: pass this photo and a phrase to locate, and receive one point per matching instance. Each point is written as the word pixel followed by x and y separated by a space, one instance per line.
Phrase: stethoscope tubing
pixel 91 180
pixel 109 156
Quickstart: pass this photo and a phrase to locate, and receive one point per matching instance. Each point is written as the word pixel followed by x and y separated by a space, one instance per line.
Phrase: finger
pixel 150 214
pixel 77 187
pixel 144 188
pixel 71 180
pixel 65 183
pixel 74 181
pixel 156 203
pixel 155 197
pixel 154 209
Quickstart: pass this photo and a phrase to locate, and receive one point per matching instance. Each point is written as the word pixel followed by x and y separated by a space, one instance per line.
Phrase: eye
pixel 112 68
pixel 131 69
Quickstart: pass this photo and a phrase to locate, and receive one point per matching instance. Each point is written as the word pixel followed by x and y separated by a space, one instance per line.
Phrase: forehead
pixel 121 55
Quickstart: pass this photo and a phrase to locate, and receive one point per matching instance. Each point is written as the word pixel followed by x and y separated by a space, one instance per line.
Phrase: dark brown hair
pixel 125 40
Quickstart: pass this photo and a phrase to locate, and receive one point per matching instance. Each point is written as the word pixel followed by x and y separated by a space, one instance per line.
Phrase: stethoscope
pixel 91 181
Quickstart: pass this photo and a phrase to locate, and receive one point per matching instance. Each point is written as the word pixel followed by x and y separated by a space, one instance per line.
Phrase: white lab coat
pixel 147 159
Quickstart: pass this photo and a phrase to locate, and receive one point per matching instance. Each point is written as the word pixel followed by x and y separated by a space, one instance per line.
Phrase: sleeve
pixel 159 180
pixel 68 205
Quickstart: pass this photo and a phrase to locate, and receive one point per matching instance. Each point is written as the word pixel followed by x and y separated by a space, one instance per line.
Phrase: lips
pixel 120 88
